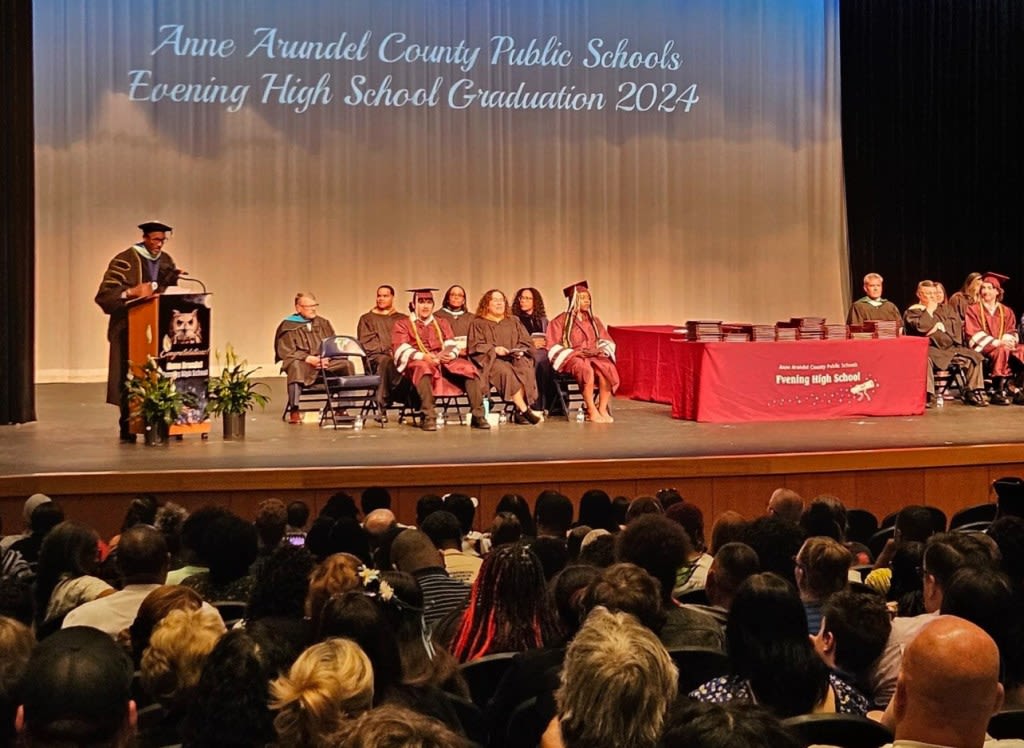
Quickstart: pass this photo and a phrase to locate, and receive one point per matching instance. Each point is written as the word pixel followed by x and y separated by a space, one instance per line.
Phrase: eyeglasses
pixel 309 306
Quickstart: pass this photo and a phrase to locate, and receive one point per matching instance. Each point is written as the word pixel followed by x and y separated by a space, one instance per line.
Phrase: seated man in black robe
pixel 374 332
pixel 297 346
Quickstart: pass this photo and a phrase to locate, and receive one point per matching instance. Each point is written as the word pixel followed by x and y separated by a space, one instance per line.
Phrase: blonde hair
pixel 330 681
pixel 177 651
pixel 16 642
pixel 337 574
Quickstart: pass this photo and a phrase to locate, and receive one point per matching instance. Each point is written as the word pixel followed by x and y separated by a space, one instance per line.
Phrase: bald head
pixel 414 550
pixel 786 504
pixel 948 685
pixel 379 521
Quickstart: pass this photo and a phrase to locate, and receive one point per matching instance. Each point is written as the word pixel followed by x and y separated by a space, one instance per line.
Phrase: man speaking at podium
pixel 141 270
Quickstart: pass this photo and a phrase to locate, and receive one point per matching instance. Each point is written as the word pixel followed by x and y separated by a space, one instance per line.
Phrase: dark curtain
pixel 17 215
pixel 932 143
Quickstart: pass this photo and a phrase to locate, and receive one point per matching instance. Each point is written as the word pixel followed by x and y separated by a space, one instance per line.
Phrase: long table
pixel 785 381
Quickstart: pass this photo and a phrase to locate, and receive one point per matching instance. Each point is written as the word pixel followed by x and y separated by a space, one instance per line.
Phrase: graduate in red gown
pixel 991 330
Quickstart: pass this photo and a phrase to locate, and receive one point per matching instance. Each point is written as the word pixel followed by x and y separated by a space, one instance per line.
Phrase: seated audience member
pixel 692 575
pixel 991 330
pixel 455 312
pixel 822 567
pixel 1008 533
pixel 444 531
pixel 298 518
pixel 871 306
pixel 508 608
pixel 966 296
pixel 278 597
pixel 771 659
pixel 506 529
pixel 76 690
pixel 596 511
pixel 141 511
pixel 825 516
pixel 64 577
pixel 30 505
pixel 927 318
pixel 730 527
pixel 153 610
pixel 329 683
pixel 659 546
pixel 518 505
pixel 374 497
pixel 642 505
pixel 414 553
pixel 335 575
pixel 627 588
pixel 192 532
pixel 374 332
pixel 617 685
pixel 552 514
pixel 427 353
pixel 230 705
pixel 500 347
pixel 579 345
pixel 776 542
pixel 389 726
pixel 731 566
pixel 378 523
pixel 913 524
pixel 786 504
pixel 574 541
pixel 948 687
pixel 854 629
pixel 668 497
pixel 426 505
pixel 696 725
pixel 142 562
pixel 297 347
pixel 271 521
pixel 172 664
pixel 619 506
pixel 598 549
pixel 170 519
pixel 16 600
pixel 45 517
pixel 553 554
pixel 229 547
pixel 16 644
pixel 528 307
pixel 464 509
pixel 906 589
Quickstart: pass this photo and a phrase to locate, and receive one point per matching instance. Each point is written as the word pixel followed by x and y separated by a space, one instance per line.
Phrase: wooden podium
pixel 174 329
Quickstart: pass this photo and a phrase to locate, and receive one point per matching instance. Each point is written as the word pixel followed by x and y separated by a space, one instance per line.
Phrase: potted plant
pixel 155 399
pixel 232 393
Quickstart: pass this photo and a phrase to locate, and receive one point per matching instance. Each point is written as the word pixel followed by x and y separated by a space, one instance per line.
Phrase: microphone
pixel 190 279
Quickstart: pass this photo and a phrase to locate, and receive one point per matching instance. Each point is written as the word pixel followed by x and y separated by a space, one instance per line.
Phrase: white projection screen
pixel 682 155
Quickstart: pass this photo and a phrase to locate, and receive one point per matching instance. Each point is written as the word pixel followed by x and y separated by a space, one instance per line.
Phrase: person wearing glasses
pixel 297 347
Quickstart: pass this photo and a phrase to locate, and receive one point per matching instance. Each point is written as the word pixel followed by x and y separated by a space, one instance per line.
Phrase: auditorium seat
pixel 862 524
pixel 482 675
pixel 972 515
pixel 843 730
pixel 1007 724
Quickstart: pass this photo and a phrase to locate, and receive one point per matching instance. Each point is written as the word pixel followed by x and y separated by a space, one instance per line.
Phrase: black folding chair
pixel 347 387
pixel 698 665
pixel 843 730
pixel 483 675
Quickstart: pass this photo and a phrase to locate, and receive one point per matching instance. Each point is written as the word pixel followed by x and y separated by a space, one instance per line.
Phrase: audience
pixel 731 566
pixel 445 532
pixel 16 644
pixel 786 504
pixel 65 580
pixel 692 575
pixel 854 628
pixel 414 553
pixel 229 546
pixel 697 725
pixel 821 570
pixel 391 726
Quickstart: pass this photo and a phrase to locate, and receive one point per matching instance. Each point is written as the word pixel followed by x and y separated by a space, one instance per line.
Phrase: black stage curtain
pixel 17 215
pixel 932 144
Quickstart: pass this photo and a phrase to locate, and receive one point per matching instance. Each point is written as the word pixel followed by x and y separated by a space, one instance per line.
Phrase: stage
pixel 945 457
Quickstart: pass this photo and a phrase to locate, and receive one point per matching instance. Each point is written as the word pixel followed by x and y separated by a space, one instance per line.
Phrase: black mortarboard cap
pixel 149 226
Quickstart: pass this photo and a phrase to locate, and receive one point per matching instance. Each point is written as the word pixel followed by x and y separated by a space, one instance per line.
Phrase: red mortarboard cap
pixel 996 279
pixel 417 291
pixel 578 286
pixel 150 226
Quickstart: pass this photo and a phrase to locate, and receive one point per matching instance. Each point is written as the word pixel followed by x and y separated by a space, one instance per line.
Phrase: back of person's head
pixel 574 541
pixel 45 517
pixel 552 513
pixel 822 566
pixel 414 551
pixel 360 618
pixel 178 647
pixel 340 505
pixel 820 519
pixel 393 726
pixel 1008 533
pixel 230 705
pixel 776 541
pixel 346 535
pixel 443 529
pixel 518 505
pixel 768 646
pixel 856 626
pixel 657 545
pixel 193 531
pixel 230 546
pixel 948 685
pixel 16 643
pixel 986 598
pixel 141 511
pixel 731 725
pixel 271 521
pixel 598 550
pixel 691 519
pixel 568 592
pixel 378 523
pixel 641 506
pixel 154 608
pixel 1009 492
pixel 595 510
pixel 786 504
pixel 728 528
pixel 329 682
pixel 629 589
pixel 617 684
pixel 375 497
pixel 281 584
pixel 553 554
pixel 668 497
pixel 947 552
pixel 733 563
pixel 619 506
pixel 142 555
pixel 336 574
pixel 427 505
pixel 76 690
pixel 463 507
pixel 69 550
pixel 170 519
pixel 914 524
pixel 16 600
pixel 506 529
pixel 298 514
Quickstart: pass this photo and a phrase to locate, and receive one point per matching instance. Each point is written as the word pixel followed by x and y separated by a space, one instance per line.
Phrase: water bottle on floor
pixel 580 416
pixel 358 425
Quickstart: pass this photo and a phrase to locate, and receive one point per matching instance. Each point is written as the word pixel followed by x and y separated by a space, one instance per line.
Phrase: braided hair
pixel 508 606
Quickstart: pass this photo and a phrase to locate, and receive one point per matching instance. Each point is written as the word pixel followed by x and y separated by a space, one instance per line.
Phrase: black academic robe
pixel 293 341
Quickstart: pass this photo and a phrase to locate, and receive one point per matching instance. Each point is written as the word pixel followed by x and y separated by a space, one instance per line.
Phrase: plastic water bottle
pixel 487 406
pixel 502 419
pixel 358 425
pixel 580 416
pixel 440 420
pixel 940 401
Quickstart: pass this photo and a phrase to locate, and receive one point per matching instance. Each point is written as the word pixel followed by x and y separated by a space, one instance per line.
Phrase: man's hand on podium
pixel 141 291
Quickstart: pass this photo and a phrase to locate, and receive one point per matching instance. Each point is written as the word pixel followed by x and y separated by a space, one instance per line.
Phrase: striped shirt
pixel 441 593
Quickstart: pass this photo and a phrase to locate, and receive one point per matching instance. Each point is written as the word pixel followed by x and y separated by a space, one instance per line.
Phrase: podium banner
pixel 184 349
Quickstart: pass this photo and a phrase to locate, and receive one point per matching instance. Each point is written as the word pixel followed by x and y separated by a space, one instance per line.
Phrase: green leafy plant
pixel 233 392
pixel 152 395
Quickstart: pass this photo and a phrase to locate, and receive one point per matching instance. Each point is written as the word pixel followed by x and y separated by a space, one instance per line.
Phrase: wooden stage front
pixel 945 457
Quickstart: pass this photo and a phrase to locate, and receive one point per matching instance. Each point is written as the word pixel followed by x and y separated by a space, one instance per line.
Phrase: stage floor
pixel 76 433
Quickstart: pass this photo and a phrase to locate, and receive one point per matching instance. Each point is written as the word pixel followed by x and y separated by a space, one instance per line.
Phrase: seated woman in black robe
pixel 528 306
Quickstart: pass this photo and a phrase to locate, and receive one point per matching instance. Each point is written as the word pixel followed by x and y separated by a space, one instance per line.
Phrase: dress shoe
pixel 429 423
pixel 527 416
pixel 1018 397
pixel 479 422
pixel 975 398
pixel 929 402
pixel 381 417
pixel 294 416
pixel 1001 397
pixel 128 438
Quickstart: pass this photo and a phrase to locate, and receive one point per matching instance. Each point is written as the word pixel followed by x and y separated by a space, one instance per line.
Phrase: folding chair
pixel 354 388
pixel 972 515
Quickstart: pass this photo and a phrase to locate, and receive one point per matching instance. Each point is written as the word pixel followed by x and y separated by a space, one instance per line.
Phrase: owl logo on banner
pixel 184 329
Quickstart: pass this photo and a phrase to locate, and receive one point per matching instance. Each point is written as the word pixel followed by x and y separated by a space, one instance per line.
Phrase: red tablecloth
pixel 808 379
pixel 644 358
